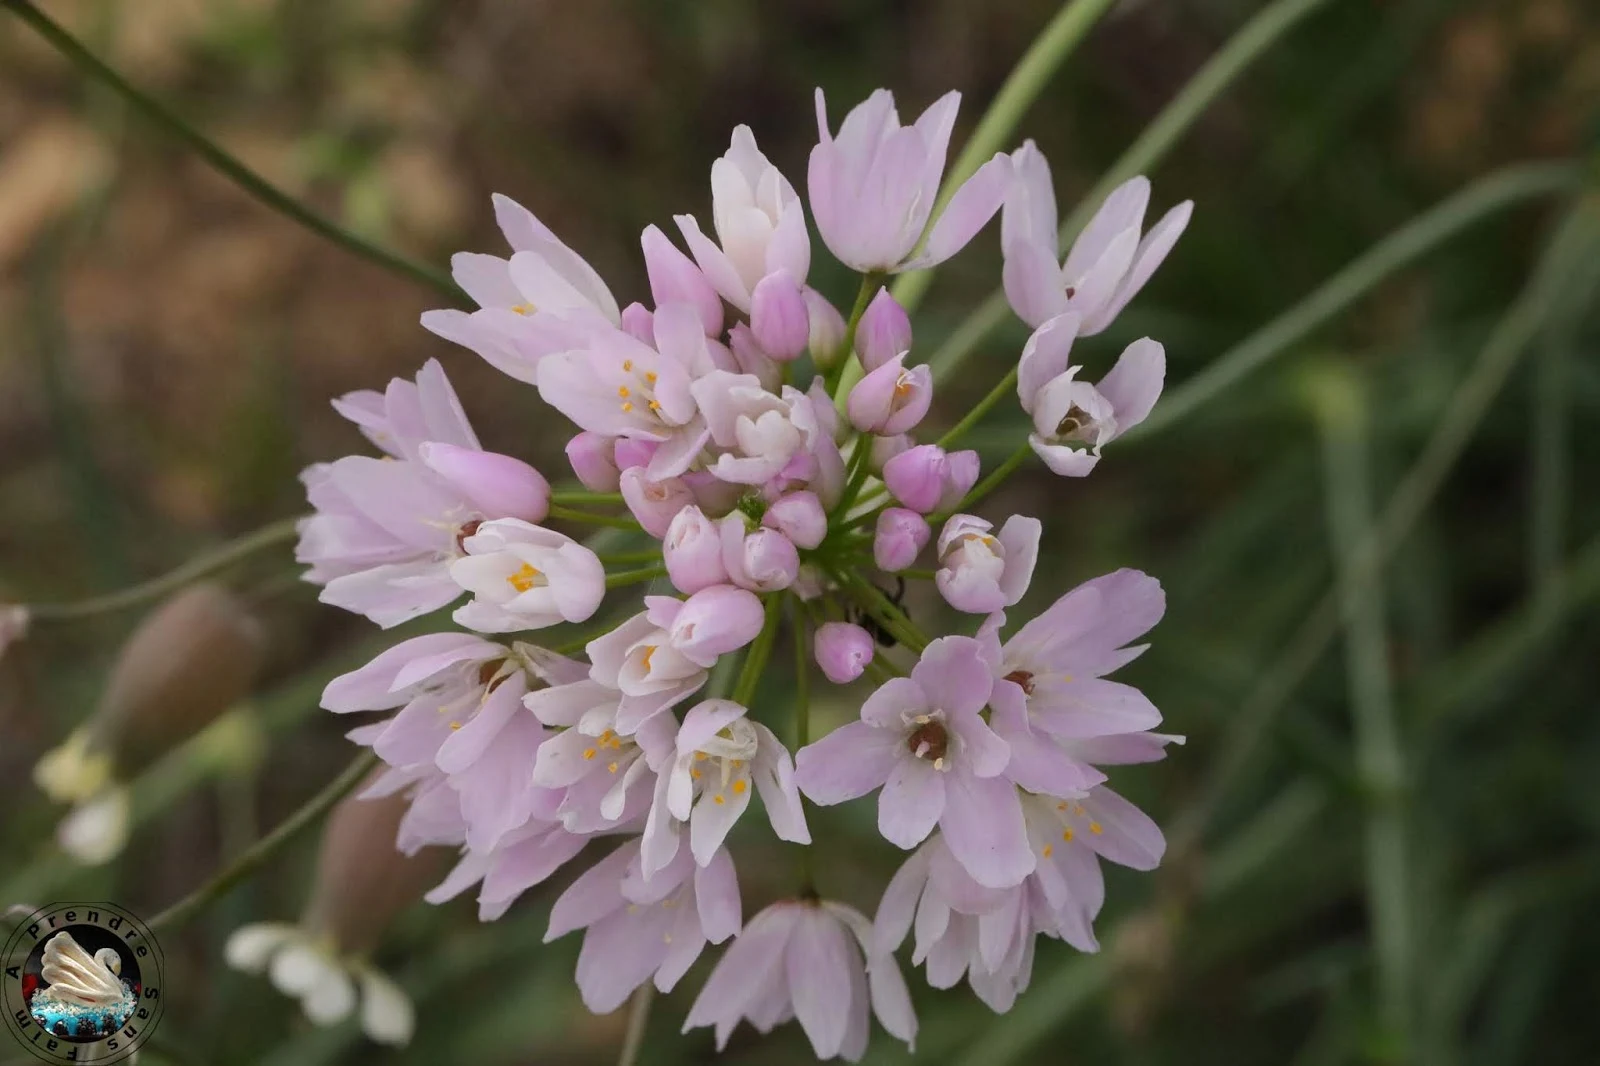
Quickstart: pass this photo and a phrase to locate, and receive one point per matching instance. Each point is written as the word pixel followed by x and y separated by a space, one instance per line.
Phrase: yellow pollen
pixel 611 767
pixel 1049 850
pixel 1077 808
pixel 737 763
pixel 622 390
pixel 644 660
pixel 607 735
pixel 524 578
pixel 695 773
pixel 454 726
pixel 1061 806
pixel 699 755
pixel 902 384
pixel 626 407
pixel 524 309
pixel 739 786
pixel 938 764
pixel 718 799
pixel 588 754
pixel 1096 828
pixel 650 377
pixel 627 365
pixel 654 406
pixel 1066 834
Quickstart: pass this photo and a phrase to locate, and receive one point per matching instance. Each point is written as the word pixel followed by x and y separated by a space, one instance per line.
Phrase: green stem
pixel 917 575
pixel 1220 71
pixel 755 660
pixel 624 578
pixel 568 514
pixel 846 369
pixel 802 674
pixel 193 570
pixel 257 855
pixel 874 602
pixel 638 1020
pixel 1002 387
pixel 1022 87
pixel 643 555
pixel 860 468
pixel 1340 407
pixel 1485 197
pixel 227 165
pixel 584 496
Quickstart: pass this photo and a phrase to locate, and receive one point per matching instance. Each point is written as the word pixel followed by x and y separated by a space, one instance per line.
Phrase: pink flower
pixel 603 778
pixel 884 331
pixel 617 386
pixel 758 434
pixel 759 222
pixel 899 538
pixel 827 329
pixel 385 532
pixel 675 279
pixel 706 784
pixel 1108 263
pixel 979 572
pixel 521 860
pixel 922 740
pixel 761 560
pixel 639 929
pixel 654 503
pixel 545 299
pixel 693 552
pixel 843 650
pixel 873 188
pixel 593 461
pixel 927 479
pixel 1069 414
pixel 798 516
pixel 891 399
pixel 812 961
pixel 661 656
pixel 524 576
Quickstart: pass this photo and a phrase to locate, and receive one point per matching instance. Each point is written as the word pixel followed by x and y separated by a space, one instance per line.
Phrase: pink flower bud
pixel 900 536
pixel 982 572
pixel 639 323
pixel 750 358
pixel 886 448
pixel 843 650
pixel 498 485
pixel 779 317
pixel 715 621
pixel 762 560
pixel 926 479
pixel 883 332
pixel 693 552
pixel 654 503
pixel 674 278
pixel 800 517
pixel 827 329
pixel 592 460
pixel 891 399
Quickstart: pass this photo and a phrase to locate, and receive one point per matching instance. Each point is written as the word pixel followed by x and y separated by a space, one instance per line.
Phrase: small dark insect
pixel 866 621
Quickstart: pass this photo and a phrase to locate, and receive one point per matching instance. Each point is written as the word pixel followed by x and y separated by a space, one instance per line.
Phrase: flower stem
pixel 193 570
pixel 755 660
pixel 802 725
pixel 860 467
pixel 257 855
pixel 624 578
pixel 638 1020
pixel 568 514
pixel 584 496
pixel 846 370
pixel 1022 87
pixel 882 610
pixel 643 555
pixel 227 165
pixel 1005 385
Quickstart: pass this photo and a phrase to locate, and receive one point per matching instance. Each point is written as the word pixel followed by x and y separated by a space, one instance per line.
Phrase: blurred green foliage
pixel 169 346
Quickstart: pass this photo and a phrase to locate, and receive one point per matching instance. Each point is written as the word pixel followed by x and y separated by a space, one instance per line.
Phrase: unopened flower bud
pixel 654 503
pixel 843 650
pixel 499 485
pixel 630 453
pixel 674 278
pixel 927 479
pixel 638 322
pixel 592 460
pixel 827 330
pixel 883 332
pixel 750 358
pixel 693 552
pixel 886 448
pixel 779 317
pixel 891 399
pixel 900 537
pixel 762 560
pixel 800 517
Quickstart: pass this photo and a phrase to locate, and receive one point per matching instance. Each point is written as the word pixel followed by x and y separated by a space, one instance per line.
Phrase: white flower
pixel 301 967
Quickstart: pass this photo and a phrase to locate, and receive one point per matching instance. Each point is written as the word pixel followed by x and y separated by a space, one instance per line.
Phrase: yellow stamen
pixel 1062 806
pixel 1066 834
pixel 626 407
pixel 696 774
pixel 588 754
pixel 644 660
pixel 454 726
pixel 524 309
pixel 650 377
pixel 718 799
pixel 524 578
pixel 622 391
pixel 654 406
pixel 611 767
pixel 1096 828
pixel 699 755
pixel 1049 850
pixel 739 786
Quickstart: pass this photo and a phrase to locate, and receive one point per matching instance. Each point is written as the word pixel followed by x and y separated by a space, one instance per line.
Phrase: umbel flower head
pixel 768 462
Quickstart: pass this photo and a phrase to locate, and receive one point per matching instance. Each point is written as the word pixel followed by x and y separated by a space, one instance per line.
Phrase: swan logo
pixel 82 983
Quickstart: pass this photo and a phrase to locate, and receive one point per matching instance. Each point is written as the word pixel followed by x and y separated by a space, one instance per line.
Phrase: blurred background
pixel 168 347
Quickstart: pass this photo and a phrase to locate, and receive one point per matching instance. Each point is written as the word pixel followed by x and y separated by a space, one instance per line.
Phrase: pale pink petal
pixel 1134 384
pixel 849 762
pixel 911 802
pixel 968 211
pixel 983 826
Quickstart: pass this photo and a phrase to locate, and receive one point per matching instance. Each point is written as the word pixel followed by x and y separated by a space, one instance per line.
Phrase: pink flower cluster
pixel 774 486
